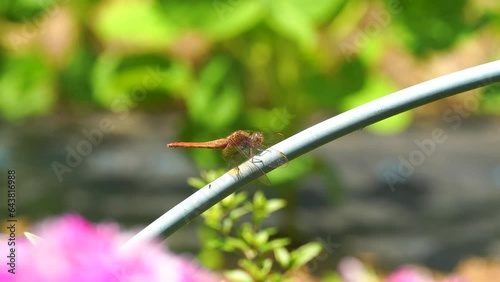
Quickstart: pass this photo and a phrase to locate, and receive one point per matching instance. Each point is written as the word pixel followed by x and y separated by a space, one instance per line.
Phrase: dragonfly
pixel 240 145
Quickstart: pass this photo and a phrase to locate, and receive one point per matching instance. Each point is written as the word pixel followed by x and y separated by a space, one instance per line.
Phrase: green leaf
pixel 276 277
pixel 240 197
pixel 233 18
pixel 216 244
pixel 231 243
pixel 321 10
pixel 227 225
pixel 282 256
pixel 392 125
pixel 238 276
pixel 444 24
pixel 104 91
pixel 490 101
pixel 288 20
pixel 134 22
pixel 270 231
pixel 213 217
pixel 377 87
pixel 236 214
pixel 259 200
pixel 211 258
pixel 27 87
pixel 196 182
pixel 267 264
pixel 274 205
pixel 215 224
pixel 274 244
pixel 28 11
pixel 212 174
pixel 268 120
pixel 216 100
pixel 123 83
pixel 247 233
pixel 259 207
pixel 304 254
pixel 251 267
pixel 331 276
pixel 75 79
pixel 229 201
pixel 293 171
pixel 261 237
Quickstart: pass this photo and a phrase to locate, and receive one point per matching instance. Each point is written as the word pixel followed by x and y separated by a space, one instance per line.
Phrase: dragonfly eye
pixel 258 137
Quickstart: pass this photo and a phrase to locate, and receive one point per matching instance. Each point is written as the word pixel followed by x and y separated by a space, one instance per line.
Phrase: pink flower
pixel 412 274
pixel 409 274
pixel 72 249
pixel 352 269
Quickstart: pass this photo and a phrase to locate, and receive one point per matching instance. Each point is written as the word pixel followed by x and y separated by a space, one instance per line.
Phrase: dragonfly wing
pixel 282 161
pixel 236 155
pixel 270 138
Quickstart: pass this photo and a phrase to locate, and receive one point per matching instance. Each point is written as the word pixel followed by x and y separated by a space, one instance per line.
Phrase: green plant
pixel 237 225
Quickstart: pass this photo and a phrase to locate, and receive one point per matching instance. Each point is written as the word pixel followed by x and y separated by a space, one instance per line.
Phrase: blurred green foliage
pixel 261 255
pixel 223 57
pixel 229 64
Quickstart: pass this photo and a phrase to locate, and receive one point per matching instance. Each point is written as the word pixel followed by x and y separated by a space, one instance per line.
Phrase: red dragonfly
pixel 240 144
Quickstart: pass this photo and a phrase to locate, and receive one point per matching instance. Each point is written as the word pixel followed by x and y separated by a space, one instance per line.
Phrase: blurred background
pixel 92 91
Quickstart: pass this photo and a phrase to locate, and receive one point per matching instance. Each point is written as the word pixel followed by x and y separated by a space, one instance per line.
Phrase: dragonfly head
pixel 257 137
